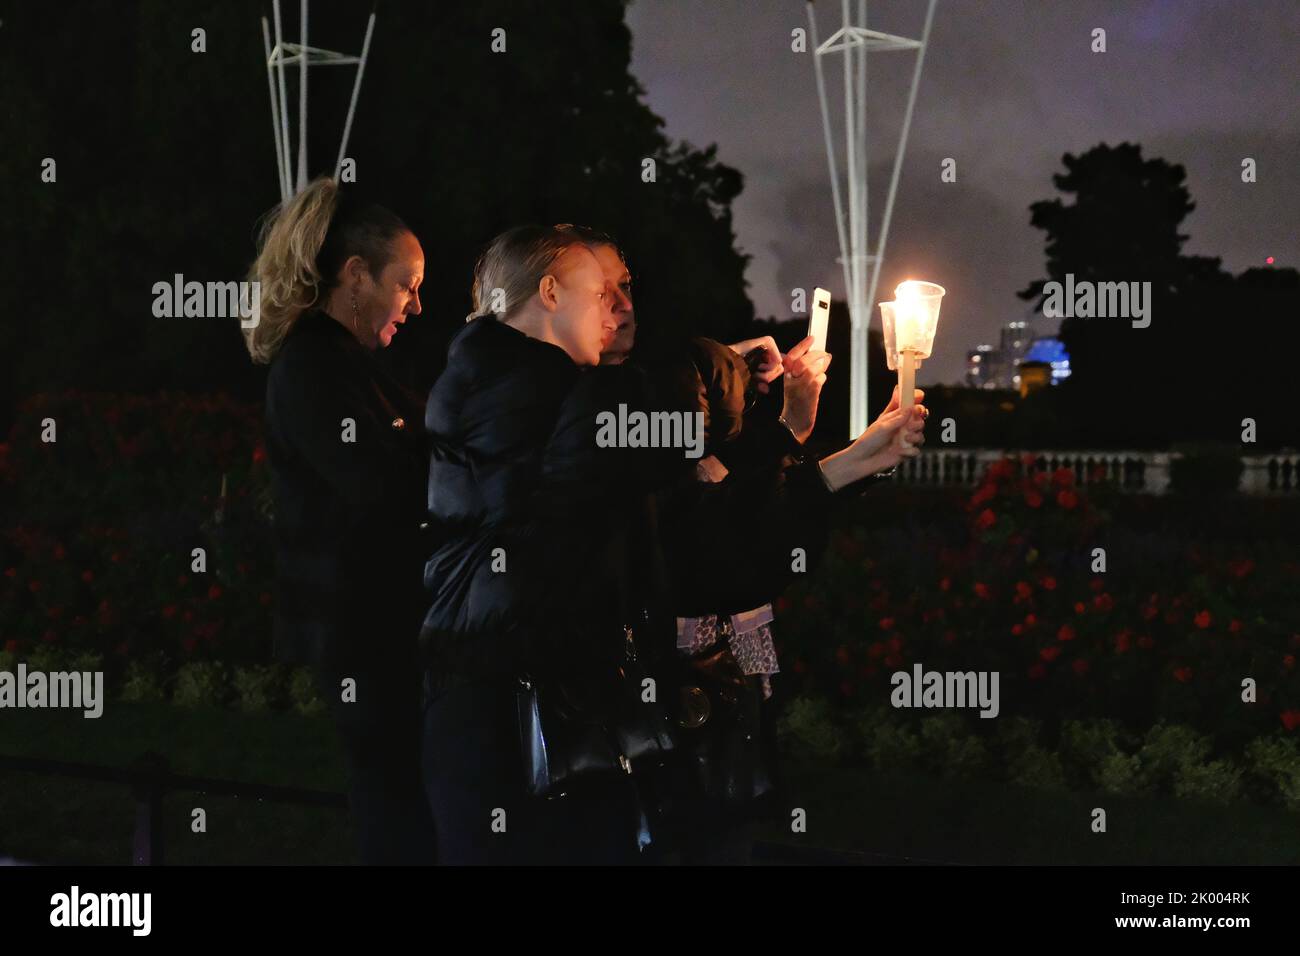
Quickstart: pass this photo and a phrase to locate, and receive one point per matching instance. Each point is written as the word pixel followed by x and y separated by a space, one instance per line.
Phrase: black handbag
pixel 595 721
pixel 720 719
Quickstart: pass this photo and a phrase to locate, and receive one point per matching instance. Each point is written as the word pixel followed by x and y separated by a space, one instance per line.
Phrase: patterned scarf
pixel 749 634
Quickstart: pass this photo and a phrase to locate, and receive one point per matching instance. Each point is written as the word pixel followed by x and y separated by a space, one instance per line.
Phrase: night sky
pixel 1008 87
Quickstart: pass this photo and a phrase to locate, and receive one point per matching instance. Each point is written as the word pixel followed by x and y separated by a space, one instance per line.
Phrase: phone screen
pixel 819 318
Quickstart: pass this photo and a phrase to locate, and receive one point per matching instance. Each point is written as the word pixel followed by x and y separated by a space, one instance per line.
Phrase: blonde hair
pixel 301 247
pixel 513 264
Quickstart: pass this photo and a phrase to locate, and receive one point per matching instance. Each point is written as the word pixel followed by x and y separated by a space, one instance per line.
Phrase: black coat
pixel 550 543
pixel 348 515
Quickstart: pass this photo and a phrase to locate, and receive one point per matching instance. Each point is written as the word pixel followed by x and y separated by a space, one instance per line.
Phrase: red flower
pixel 1288 661
pixel 88 576
pixel 1063 478
pixel 1067 499
pixel 1149 612
pixel 1291 719
pixel 1242 568
pixel 1202 620
pixel 949 636
pixel 1079 607
pixel 115 557
pixel 1049 583
pixel 1080 666
pixel 1182 674
pixel 944 583
pixel 893 660
pixel 1033 499
pixel 259 454
pixel 1122 642
pixel 169 611
pixel 1017 630
pixel 981 590
pixel 842 654
pixel 11 647
pixel 59 553
pixel 987 519
pixel 876 649
pixel 1023 590
pixel 984 493
pixel 1030 620
pixel 886 623
pixel 782 603
pixel 1097 584
pixel 11 572
pixel 214 592
pixel 1103 602
pixel 1146 642
pixel 1050 653
pixel 1037 671
pixel 1234 626
pixel 1066 633
pixel 34 586
pixel 895 645
pixel 1002 468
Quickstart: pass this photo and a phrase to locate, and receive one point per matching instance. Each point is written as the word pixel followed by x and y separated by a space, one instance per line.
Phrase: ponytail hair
pixel 302 245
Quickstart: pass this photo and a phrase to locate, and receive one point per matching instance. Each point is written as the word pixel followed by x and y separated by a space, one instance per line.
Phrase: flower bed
pixel 98 530
pixel 1006 579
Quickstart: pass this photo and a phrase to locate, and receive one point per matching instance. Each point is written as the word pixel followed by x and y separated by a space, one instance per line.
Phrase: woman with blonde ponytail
pixel 348 459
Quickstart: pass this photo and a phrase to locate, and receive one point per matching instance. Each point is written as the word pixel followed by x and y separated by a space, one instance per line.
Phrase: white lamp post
pixel 861 268
pixel 288 54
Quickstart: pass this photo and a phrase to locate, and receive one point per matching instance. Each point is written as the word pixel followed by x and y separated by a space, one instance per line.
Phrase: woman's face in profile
pixel 387 301
pixel 584 322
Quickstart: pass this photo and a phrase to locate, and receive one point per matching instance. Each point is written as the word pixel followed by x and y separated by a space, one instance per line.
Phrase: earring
pixel 356 315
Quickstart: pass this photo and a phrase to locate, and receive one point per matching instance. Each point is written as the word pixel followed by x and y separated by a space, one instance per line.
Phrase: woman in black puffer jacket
pixel 549 541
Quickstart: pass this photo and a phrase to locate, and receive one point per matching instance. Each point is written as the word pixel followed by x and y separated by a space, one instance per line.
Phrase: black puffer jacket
pixel 551 543
pixel 535 520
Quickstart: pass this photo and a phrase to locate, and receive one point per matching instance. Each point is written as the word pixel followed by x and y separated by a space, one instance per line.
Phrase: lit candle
pixel 910 322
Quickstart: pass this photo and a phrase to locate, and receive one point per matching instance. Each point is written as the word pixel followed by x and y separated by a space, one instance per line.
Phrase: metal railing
pixel 150 779
pixel 1143 472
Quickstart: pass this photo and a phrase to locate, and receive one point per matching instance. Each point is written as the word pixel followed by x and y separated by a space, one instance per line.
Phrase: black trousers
pixel 474 781
pixel 380 733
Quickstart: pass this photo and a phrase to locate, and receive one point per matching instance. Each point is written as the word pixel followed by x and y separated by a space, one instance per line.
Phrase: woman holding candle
pixel 529 511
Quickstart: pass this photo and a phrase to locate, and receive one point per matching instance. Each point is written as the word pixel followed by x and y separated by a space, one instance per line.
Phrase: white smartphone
pixel 819 317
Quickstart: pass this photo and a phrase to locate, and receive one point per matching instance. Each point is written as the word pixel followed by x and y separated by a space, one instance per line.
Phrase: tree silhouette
pixel 165 163
pixel 1176 379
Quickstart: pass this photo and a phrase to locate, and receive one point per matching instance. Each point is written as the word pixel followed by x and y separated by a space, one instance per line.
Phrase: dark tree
pixel 1176 379
pixel 166 162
